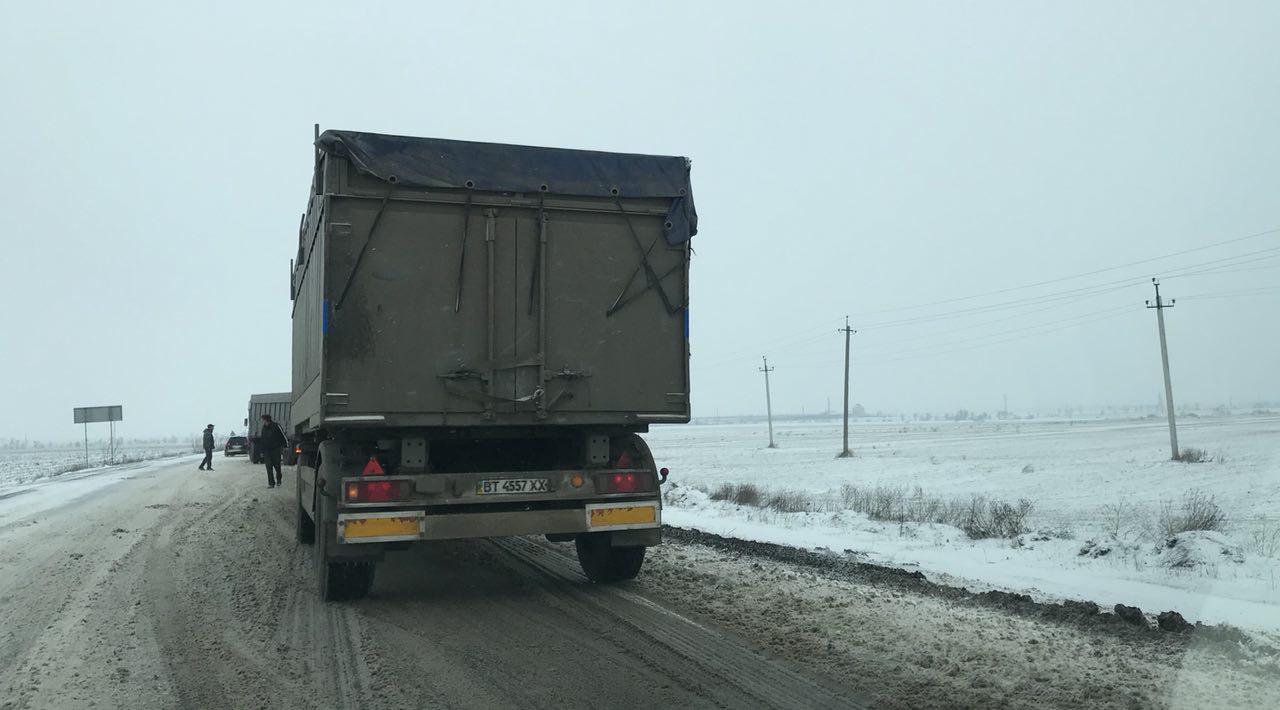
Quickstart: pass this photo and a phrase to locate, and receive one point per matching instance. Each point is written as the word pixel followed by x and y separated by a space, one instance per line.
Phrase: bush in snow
pixel 986 517
pixel 1265 541
pixel 789 501
pixel 1193 455
pixel 738 493
pixel 1197 511
pixel 1123 520
pixel 978 516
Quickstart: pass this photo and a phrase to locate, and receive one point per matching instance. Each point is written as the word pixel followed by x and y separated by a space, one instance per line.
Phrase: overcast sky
pixel 859 158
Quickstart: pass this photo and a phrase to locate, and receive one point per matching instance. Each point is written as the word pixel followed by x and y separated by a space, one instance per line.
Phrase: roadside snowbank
pixel 1096 485
pixel 1203 576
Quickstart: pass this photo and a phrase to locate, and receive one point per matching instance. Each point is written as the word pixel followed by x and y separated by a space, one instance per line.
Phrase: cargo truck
pixel 481 333
pixel 277 405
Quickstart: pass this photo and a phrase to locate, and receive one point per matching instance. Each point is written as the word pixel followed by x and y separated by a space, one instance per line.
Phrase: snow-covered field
pixel 1098 488
pixel 33 465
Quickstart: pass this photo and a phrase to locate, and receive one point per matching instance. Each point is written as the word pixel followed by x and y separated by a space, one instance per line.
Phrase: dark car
pixel 236 445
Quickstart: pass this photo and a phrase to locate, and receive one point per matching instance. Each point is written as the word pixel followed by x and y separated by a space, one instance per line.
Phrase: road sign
pixel 88 415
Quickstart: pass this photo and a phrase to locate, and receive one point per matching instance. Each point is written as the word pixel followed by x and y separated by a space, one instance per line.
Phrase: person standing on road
pixel 270 442
pixel 207 463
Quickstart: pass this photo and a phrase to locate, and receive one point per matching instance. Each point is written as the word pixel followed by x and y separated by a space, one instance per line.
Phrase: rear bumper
pixel 627 519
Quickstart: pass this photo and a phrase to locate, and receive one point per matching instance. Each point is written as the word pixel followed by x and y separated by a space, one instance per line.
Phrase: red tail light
pixel 373 468
pixel 376 491
pixel 625 482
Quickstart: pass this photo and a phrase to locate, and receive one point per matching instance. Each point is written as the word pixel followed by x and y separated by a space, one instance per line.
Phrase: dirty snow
pixel 912 650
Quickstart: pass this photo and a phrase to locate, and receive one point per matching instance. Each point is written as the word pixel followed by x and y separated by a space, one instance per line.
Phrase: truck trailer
pixel 481 333
pixel 277 404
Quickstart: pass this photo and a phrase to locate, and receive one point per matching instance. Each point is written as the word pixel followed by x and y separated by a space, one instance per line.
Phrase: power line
pixel 1273 252
pixel 1224 265
pixel 1097 289
pixel 979 346
pixel 1035 329
pixel 816 328
pixel 1232 294
pixel 1037 326
pixel 1005 305
pixel 1139 262
pixel 947 350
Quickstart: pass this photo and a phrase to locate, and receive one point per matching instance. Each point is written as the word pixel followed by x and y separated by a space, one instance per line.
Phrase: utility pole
pixel 845 452
pixel 1160 305
pixel 768 400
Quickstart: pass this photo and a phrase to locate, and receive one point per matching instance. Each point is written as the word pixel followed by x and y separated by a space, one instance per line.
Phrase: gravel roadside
pixel 908 643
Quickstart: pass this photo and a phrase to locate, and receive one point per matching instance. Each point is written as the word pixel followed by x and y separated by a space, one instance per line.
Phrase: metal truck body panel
pixel 439 307
pixel 276 404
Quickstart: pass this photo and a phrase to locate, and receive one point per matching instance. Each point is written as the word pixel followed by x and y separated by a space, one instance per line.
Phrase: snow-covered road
pixel 162 587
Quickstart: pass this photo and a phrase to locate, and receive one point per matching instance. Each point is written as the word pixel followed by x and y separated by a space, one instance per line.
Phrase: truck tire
pixel 603 563
pixel 338 580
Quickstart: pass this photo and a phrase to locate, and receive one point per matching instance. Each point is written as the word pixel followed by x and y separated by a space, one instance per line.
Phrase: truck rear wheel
pixel 340 580
pixel 603 563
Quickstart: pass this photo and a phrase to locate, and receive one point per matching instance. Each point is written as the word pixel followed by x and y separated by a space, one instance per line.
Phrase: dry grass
pixel 1123 520
pixel 1197 511
pixel 791 501
pixel 1193 455
pixel 978 516
pixel 738 494
pixel 1265 542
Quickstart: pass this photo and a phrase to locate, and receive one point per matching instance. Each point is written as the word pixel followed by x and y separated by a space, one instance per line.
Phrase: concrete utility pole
pixel 1164 359
pixel 845 452
pixel 768 400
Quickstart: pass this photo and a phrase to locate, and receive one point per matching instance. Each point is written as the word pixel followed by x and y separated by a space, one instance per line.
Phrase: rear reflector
pixel 376 491
pixel 625 482
pixel 373 468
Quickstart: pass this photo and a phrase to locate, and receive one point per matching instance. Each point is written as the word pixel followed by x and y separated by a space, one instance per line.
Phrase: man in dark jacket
pixel 207 463
pixel 270 442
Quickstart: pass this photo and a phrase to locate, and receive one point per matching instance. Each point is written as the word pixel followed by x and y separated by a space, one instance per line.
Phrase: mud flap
pixel 647 537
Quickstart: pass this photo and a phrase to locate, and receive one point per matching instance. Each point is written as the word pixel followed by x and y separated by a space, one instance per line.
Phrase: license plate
pixel 622 515
pixel 511 486
pixel 381 527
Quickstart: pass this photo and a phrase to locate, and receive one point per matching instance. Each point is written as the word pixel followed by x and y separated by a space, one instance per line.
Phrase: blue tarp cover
pixel 495 167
